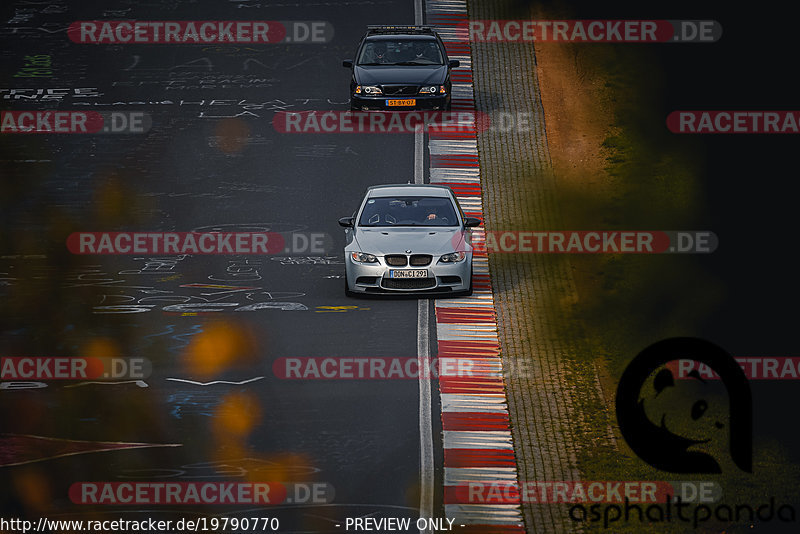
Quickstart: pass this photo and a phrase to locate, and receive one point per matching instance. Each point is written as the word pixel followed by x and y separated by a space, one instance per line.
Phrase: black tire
pixel 347 291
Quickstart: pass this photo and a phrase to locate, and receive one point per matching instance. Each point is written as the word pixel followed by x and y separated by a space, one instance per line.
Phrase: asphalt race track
pixel 212 160
pixel 226 383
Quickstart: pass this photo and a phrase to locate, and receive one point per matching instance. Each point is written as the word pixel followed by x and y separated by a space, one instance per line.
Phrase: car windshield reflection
pixel 400 52
pixel 408 211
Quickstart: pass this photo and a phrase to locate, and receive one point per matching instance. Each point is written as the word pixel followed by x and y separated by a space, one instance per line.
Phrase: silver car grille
pixel 408 283
pixel 396 260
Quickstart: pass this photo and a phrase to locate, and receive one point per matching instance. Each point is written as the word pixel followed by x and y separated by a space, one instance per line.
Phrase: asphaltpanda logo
pixel 686 424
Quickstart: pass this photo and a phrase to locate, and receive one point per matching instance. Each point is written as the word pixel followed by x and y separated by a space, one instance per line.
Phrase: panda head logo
pixel 686 425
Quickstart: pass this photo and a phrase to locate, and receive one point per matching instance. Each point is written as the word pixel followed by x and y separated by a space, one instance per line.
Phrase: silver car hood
pixel 419 240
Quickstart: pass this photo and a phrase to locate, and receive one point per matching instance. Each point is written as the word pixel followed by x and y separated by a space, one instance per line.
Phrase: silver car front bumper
pixel 376 277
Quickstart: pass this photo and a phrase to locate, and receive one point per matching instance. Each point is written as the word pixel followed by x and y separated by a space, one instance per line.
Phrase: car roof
pixel 405 36
pixel 409 189
pixel 400 30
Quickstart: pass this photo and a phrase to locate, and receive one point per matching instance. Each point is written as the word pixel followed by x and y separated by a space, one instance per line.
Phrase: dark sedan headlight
pixel 432 90
pixel 363 257
pixel 368 90
pixel 453 257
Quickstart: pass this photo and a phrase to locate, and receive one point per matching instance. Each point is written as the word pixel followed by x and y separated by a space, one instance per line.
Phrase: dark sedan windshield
pixel 401 52
pixel 408 211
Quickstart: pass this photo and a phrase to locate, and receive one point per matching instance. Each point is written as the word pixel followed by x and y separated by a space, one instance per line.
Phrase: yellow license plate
pixel 402 103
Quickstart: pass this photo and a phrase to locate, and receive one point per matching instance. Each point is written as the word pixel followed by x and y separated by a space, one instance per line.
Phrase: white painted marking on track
pixel 462 475
pixel 423 350
pixel 453 402
pixel 478 439
pixel 484 514
pixel 216 381
pixel 140 383
pixel 425 423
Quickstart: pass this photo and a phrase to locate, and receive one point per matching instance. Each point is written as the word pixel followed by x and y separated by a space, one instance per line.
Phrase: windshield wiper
pixel 416 63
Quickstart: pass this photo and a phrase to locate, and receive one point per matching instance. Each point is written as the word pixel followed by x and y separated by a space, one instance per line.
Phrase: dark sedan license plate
pixel 401 103
pixel 408 273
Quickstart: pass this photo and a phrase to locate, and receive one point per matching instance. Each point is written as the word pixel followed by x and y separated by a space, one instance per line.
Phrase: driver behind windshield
pixel 437 212
pixel 375 53
pixel 425 52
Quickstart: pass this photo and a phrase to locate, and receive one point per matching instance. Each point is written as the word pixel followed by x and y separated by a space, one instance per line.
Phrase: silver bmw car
pixel 408 239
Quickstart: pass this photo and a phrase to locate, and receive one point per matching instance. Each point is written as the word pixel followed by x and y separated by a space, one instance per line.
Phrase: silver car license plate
pixel 408 273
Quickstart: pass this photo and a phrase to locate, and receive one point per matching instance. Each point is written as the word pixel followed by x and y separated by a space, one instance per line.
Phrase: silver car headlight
pixel 453 257
pixel 428 90
pixel 372 90
pixel 363 257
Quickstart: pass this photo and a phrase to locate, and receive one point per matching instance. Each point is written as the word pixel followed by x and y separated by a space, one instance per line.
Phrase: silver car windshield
pixel 408 211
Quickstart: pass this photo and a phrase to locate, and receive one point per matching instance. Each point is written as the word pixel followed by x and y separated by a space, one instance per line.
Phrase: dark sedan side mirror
pixel 347 222
pixel 347 63
pixel 471 222
pixel 454 63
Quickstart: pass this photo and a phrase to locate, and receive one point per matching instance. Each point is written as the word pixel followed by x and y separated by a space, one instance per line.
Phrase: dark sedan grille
pixel 409 283
pixel 420 260
pixel 396 260
pixel 400 90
